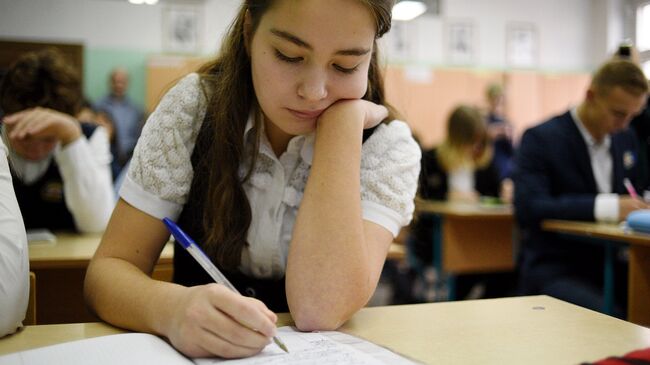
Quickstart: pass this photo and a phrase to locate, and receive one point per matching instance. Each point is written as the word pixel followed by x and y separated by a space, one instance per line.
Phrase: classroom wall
pixel 574 36
pixel 113 33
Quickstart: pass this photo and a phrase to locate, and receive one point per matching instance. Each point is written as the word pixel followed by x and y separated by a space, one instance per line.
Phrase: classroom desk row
pixel 612 236
pixel 523 330
pixel 469 239
pixel 473 238
pixel 60 268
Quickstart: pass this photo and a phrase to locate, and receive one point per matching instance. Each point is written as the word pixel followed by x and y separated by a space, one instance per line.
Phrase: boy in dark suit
pixel 572 167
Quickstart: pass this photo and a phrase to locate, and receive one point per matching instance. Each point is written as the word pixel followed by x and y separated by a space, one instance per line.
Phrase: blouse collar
pixel 304 142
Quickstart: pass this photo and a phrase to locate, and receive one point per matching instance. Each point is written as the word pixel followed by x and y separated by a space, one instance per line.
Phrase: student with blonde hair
pixel 460 169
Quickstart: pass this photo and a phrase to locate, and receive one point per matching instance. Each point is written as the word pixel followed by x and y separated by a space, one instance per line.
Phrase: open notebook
pixel 140 348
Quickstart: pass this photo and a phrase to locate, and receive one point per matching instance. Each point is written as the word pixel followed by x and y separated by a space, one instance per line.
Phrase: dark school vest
pixel 188 272
pixel 42 203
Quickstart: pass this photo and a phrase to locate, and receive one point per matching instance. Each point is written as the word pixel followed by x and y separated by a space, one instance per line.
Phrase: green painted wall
pixel 98 63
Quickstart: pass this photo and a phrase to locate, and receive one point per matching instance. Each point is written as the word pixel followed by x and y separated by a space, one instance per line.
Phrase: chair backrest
pixel 30 316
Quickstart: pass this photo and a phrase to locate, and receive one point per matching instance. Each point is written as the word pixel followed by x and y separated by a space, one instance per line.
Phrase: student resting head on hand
pixel 282 160
pixel 60 167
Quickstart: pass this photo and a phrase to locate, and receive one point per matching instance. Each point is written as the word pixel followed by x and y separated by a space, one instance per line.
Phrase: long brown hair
pixel 228 83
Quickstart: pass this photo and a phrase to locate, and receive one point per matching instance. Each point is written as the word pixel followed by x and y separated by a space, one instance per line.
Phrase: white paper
pixel 332 348
pixel 128 348
pixel 40 236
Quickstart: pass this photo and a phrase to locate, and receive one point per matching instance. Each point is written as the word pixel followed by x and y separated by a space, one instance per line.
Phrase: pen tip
pixel 280 344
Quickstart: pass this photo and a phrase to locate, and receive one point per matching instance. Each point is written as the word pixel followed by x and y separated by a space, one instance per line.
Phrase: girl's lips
pixel 306 114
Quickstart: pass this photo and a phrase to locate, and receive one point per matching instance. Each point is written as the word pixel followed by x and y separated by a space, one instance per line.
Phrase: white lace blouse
pixel 160 175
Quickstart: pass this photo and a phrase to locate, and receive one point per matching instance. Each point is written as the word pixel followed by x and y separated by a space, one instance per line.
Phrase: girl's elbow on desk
pixel 317 320
pixel 325 315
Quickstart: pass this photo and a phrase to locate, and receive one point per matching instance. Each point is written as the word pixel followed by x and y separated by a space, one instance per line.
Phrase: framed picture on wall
pixel 181 29
pixel 522 45
pixel 399 42
pixel 461 42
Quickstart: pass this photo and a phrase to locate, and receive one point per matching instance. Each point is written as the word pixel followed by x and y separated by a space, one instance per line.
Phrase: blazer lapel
pixel 617 166
pixel 580 152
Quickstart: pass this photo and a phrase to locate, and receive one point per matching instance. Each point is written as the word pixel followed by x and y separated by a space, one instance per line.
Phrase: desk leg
pixel 608 280
pixel 639 285
pixel 446 281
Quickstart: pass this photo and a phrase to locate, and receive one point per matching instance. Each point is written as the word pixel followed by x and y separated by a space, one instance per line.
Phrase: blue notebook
pixel 639 220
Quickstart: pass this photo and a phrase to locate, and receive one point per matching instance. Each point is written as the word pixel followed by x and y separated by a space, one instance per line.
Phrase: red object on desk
pixel 639 357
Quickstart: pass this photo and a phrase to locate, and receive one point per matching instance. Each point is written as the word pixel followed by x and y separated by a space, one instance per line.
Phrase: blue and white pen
pixel 205 262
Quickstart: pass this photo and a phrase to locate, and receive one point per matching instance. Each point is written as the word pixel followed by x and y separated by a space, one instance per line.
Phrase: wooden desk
pixel 60 269
pixel 524 330
pixel 470 238
pixel 638 307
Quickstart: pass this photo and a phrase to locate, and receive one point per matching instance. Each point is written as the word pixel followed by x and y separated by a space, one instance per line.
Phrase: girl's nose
pixel 313 86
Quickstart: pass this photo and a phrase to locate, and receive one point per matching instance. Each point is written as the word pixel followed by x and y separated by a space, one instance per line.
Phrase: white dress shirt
pixel 606 204
pixel 461 179
pixel 84 166
pixel 14 262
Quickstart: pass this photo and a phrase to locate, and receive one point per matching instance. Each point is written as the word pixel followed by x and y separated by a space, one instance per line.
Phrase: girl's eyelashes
pixel 282 57
pixel 346 70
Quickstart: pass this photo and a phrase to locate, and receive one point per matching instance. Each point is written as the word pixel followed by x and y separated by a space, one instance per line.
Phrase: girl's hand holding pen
pixel 212 320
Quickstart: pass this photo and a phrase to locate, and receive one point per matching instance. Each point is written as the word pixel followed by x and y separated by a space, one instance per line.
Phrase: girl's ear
pixel 248 32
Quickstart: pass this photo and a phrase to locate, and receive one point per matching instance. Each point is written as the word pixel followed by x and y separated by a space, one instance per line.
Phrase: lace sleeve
pixel 390 166
pixel 160 174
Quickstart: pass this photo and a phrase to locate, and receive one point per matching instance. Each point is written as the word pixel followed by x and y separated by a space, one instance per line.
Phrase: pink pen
pixel 630 188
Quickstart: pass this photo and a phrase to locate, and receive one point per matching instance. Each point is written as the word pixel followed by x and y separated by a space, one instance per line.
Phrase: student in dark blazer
pixel 572 167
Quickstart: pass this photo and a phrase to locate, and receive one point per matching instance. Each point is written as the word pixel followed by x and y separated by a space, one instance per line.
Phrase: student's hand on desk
pixel 507 191
pixel 627 204
pixel 464 196
pixel 212 320
pixel 43 123
pixel 356 109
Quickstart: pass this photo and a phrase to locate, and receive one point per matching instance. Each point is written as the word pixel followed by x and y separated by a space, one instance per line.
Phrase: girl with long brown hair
pixel 282 160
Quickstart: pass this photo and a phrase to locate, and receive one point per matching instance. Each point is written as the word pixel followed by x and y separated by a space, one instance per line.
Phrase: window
pixel 643 27
pixel 643 36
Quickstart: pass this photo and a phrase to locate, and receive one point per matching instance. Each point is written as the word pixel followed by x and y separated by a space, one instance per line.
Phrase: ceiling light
pixel 408 10
pixel 139 2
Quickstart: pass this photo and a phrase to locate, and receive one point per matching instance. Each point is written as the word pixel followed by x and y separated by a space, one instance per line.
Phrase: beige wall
pixel 425 100
pixel 531 96
pixel 425 105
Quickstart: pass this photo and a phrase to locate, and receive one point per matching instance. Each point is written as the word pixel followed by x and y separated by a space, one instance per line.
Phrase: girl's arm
pixel 199 321
pixel 335 257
